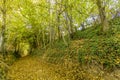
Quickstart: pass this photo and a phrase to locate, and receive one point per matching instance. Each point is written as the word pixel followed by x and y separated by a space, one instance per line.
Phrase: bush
pixel 60 45
pixel 3 69
pixel 105 51
pixel 88 33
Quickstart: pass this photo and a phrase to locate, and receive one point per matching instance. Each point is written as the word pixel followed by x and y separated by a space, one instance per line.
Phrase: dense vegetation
pixel 72 39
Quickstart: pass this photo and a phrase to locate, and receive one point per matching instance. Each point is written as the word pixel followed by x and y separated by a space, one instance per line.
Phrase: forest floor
pixel 32 68
pixel 35 68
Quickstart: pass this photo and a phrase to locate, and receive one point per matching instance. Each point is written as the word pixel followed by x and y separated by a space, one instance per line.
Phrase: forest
pixel 59 39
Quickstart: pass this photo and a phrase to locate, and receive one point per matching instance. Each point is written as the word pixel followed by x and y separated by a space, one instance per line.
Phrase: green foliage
pixel 88 33
pixel 2 74
pixel 60 45
pixel 2 70
pixel 37 52
pixel 95 32
pixel 4 66
pixel 115 21
pixel 105 51
pixel 115 25
pixel 36 24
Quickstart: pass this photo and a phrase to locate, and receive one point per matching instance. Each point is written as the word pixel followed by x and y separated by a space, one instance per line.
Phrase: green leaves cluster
pixel 105 51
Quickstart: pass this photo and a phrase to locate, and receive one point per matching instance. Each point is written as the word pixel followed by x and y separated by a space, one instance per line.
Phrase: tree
pixel 4 11
pixel 101 8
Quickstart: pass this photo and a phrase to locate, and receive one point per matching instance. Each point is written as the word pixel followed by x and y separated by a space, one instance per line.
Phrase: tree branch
pixel 4 64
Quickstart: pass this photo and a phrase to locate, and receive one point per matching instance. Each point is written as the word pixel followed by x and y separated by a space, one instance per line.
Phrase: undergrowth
pixel 105 51
pixel 88 48
pixel 88 55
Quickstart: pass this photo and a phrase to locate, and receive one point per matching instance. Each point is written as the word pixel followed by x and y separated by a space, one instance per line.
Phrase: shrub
pixel 105 51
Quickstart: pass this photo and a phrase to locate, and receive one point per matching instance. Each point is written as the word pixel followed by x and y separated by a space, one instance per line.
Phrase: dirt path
pixel 30 68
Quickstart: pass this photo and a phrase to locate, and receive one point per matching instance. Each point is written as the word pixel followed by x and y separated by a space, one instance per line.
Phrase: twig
pixel 2 63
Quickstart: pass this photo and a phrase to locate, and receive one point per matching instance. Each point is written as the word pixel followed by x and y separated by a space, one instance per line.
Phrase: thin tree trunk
pixel 58 10
pixel 58 13
pixel 51 30
pixel 65 42
pixel 71 25
pixel 3 27
pixel 67 24
pixel 50 35
pixel 43 38
pixel 83 26
pixel 58 26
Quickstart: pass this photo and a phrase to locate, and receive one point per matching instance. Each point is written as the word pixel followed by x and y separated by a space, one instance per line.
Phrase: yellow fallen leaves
pixel 29 68
pixel 117 61
pixel 33 68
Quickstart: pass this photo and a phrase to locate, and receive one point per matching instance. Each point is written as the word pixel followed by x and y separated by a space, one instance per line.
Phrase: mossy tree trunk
pixel 3 10
pixel 101 8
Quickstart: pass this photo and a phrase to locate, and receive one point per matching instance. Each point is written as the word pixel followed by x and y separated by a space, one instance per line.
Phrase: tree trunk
pixel 69 21
pixel 3 28
pixel 71 26
pixel 83 26
pixel 102 14
pixel 58 26
pixel 58 10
